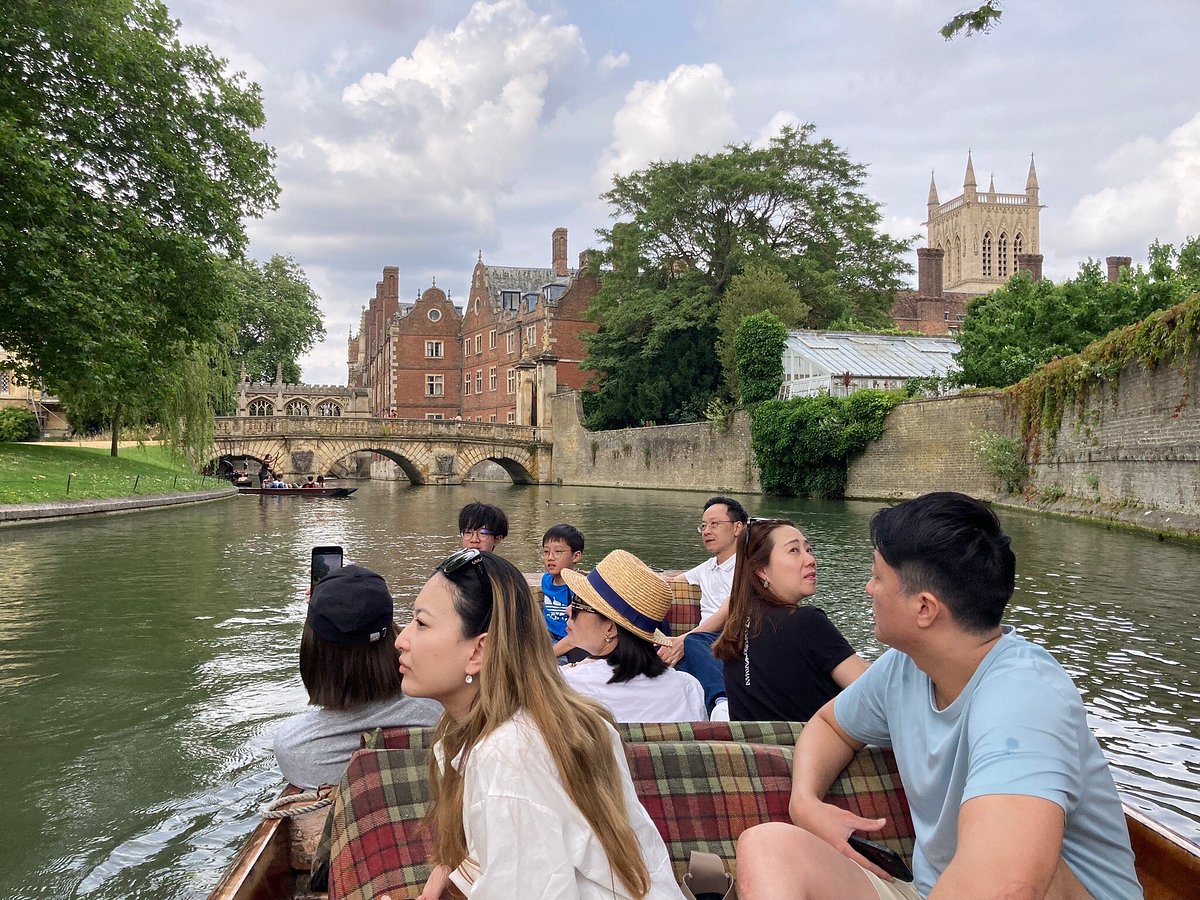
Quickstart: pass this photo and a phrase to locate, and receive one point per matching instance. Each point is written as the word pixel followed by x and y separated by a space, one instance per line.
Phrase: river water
pixel 145 659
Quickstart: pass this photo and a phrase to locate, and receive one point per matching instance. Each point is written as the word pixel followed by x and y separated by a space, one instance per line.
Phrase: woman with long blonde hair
pixel 532 795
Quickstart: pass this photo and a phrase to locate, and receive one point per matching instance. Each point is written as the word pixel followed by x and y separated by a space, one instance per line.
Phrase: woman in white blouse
pixel 614 615
pixel 532 795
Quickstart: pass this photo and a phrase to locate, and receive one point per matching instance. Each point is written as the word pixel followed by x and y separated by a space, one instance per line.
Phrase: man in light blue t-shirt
pixel 1009 792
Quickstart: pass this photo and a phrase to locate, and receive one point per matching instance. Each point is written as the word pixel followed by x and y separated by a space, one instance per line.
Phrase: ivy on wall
pixel 1161 337
pixel 802 445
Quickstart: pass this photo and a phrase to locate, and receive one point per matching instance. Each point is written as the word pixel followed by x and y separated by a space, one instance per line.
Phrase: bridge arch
pixel 411 469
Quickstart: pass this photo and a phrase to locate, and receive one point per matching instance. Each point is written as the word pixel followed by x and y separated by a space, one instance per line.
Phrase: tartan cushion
pixel 685 606
pixel 378 842
pixel 870 787
pixel 781 733
pixel 702 795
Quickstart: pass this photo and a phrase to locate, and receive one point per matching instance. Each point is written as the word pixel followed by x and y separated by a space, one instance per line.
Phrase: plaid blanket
pixel 701 793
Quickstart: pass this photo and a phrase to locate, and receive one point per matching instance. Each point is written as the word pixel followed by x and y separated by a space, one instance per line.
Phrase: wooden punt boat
pixel 274 862
pixel 299 492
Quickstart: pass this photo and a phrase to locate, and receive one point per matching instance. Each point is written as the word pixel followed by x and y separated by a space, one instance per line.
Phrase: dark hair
pixel 747 596
pixel 737 512
pixel 952 546
pixel 569 534
pixel 633 656
pixel 347 676
pixel 483 515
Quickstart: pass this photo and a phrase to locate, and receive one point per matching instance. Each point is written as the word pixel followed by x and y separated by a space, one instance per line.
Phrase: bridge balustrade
pixel 331 426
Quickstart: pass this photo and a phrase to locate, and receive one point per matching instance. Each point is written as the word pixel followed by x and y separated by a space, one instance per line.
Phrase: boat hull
pixel 299 492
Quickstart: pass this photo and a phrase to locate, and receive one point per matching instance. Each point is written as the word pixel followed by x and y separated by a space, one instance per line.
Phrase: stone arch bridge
pixel 428 451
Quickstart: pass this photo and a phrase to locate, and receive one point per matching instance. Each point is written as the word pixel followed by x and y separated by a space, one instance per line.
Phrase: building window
pixel 530 335
pixel 467 383
pixel 1002 255
pixel 512 417
pixel 479 381
pixel 492 419
pixel 511 342
pixel 261 408
pixel 434 416
pixel 479 418
pixel 297 408
pixel 479 343
pixel 328 408
pixel 4 383
pixel 1018 247
pixel 986 255
pixel 434 350
pixel 511 380
pixel 435 385
pixel 434 315
pixel 467 347
pixel 492 378
pixel 492 339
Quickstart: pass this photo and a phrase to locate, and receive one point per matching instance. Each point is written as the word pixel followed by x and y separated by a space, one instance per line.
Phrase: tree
pixel 757 289
pixel 277 316
pixel 758 349
pixel 1024 324
pixel 982 18
pixel 688 228
pixel 128 165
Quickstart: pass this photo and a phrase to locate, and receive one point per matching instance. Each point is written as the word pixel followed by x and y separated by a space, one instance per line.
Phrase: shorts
pixel 893 890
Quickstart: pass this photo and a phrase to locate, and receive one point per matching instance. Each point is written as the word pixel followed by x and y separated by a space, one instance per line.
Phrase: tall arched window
pixel 297 408
pixel 328 408
pixel 956 266
pixel 986 254
pixel 261 408
pixel 1002 255
pixel 1018 247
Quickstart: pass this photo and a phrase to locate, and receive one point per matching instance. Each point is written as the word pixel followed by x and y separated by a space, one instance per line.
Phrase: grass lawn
pixel 32 473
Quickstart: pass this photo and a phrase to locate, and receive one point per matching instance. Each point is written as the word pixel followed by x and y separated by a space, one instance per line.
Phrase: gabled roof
pixel 875 355
pixel 525 280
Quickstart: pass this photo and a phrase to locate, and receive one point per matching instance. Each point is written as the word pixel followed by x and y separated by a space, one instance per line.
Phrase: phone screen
pixel 884 857
pixel 324 561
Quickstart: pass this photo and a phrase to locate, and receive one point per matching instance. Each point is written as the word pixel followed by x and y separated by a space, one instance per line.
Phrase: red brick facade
pixel 511 313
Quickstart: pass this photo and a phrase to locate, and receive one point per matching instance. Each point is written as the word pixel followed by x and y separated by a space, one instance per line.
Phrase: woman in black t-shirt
pixel 783 658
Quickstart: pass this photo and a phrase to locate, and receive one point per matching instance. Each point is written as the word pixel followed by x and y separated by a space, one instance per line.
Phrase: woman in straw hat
pixel 614 615
pixel 783 658
pixel 531 793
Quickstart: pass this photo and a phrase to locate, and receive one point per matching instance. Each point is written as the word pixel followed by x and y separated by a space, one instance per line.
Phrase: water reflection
pixel 144 660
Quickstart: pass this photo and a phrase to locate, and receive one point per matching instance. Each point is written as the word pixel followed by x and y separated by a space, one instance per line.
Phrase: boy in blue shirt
pixel 562 547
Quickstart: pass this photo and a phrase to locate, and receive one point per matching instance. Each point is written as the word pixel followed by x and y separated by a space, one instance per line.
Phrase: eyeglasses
pixel 751 522
pixel 577 606
pixel 460 558
pixel 709 526
pixel 477 532
pixel 554 554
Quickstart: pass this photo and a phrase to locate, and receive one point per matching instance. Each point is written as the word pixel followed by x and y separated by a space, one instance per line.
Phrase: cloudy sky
pixel 418 133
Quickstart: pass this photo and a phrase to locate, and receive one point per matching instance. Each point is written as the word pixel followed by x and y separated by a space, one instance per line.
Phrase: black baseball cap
pixel 350 605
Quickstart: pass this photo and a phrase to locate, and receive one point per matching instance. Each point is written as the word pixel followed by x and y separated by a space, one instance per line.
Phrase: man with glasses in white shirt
pixel 722 522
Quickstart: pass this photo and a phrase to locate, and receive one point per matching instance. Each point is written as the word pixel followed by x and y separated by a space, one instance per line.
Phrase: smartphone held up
pixel 324 560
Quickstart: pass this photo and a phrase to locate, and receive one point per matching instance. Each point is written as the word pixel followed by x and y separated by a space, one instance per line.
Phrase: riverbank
pixel 46 482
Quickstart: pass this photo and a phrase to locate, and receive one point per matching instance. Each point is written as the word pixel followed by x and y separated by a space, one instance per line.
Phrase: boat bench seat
pixel 702 783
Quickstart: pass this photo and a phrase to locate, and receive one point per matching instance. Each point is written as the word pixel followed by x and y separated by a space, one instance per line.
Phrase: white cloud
pixel 689 112
pixel 1160 200
pixel 773 127
pixel 611 62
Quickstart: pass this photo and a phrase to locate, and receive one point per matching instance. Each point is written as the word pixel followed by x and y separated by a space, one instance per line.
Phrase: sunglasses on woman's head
pixel 577 606
pixel 460 558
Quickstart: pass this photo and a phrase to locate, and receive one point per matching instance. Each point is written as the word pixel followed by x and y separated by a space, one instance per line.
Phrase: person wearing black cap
pixel 348 664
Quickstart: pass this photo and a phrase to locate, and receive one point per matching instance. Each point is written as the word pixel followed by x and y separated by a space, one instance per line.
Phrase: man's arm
pixel 714 623
pixel 823 750
pixel 1009 846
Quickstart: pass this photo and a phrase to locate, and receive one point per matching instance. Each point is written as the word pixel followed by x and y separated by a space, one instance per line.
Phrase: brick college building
pixel 494 361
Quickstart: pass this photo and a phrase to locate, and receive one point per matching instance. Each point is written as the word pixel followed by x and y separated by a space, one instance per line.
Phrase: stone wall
pixel 1139 444
pixel 927 447
pixel 700 457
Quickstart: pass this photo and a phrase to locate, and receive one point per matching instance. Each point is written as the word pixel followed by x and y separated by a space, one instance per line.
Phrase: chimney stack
pixel 1031 263
pixel 929 271
pixel 1115 265
pixel 558 252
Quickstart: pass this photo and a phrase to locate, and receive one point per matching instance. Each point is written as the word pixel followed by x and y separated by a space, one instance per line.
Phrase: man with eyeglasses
pixel 482 526
pixel 722 522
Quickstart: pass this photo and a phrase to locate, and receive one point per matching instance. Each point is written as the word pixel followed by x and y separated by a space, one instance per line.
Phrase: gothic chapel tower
pixel 985 236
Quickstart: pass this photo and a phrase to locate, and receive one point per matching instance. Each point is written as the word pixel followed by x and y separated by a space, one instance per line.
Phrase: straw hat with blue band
pixel 626 590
